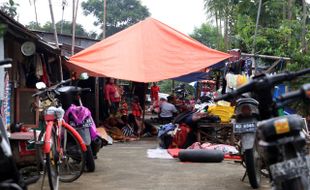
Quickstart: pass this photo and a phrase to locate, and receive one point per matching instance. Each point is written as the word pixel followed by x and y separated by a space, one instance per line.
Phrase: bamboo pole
pixel 53 22
pixel 266 56
pixel 75 9
pixel 256 28
pixel 35 12
pixel 56 37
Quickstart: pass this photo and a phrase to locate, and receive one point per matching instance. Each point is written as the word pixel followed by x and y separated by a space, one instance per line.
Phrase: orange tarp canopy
pixel 148 51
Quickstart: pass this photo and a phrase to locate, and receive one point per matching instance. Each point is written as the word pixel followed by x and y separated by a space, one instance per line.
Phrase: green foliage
pixel 166 86
pixel 10 8
pixel 280 30
pixel 66 28
pixel 120 13
pixel 207 35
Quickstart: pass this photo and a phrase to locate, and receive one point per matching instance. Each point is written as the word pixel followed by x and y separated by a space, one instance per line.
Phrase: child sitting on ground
pixel 137 113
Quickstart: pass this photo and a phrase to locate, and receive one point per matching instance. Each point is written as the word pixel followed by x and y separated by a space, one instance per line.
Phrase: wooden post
pixel 144 99
pixel 97 87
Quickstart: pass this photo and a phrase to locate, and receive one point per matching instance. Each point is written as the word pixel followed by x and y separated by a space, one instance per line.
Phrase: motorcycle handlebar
pixel 288 76
pixel 52 88
pixel 261 82
pixel 290 95
pixel 86 89
pixel 5 61
pixel 243 89
pixel 223 97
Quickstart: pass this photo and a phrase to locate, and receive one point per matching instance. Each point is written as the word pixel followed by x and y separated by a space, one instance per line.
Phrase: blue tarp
pixel 196 76
pixel 217 66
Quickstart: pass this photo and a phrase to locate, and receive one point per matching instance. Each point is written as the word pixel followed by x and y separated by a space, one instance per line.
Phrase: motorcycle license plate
pixel 290 169
pixel 244 128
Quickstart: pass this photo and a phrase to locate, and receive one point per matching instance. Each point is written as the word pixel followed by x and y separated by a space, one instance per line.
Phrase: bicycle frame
pixel 48 132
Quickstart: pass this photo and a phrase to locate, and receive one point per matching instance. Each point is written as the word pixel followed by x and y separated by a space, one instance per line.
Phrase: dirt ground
pixel 125 166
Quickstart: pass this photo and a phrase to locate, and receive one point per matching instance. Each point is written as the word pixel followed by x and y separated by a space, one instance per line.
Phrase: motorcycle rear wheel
pixel 89 159
pixel 253 167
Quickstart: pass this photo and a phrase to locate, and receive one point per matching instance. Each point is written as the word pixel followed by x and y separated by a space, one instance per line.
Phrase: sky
pixel 183 15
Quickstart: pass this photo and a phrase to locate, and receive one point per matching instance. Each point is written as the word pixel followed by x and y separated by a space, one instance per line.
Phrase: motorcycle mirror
pixel 84 76
pixel 40 85
pixel 306 89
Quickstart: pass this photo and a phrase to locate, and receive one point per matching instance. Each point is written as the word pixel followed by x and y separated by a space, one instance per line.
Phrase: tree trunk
pixel 290 9
pixel 226 32
pixel 218 33
pixel 284 10
pixel 220 27
pixel 104 19
pixel 304 26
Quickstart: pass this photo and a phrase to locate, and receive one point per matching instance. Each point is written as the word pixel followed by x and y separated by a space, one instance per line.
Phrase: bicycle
pixel 63 148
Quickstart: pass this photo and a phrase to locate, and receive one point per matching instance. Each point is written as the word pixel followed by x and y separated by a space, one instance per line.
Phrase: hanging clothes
pixel 39 67
pixel 248 67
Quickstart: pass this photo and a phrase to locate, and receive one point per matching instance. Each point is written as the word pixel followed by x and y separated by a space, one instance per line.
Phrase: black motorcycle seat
pixel 268 131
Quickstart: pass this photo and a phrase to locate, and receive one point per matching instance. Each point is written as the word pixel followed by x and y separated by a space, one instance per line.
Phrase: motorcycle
pixel 181 92
pixel 80 118
pixel 283 146
pixel 246 117
pixel 250 110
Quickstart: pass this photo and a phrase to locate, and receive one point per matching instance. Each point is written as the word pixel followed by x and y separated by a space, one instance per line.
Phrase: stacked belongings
pixel 223 110
pixel 176 134
pixel 181 132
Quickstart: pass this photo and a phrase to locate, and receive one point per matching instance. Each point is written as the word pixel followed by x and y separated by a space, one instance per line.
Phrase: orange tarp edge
pixel 148 51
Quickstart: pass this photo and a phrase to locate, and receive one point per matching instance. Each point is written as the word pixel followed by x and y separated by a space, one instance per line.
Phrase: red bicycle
pixel 63 147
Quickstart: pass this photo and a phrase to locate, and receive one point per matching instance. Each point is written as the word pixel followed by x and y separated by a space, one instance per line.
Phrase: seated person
pixel 154 108
pixel 166 110
pixel 137 113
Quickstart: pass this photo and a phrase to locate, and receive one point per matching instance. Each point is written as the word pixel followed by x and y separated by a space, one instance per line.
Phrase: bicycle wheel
pixel 52 162
pixel 73 158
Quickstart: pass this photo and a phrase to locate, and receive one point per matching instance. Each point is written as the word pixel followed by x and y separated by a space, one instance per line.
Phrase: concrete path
pixel 125 166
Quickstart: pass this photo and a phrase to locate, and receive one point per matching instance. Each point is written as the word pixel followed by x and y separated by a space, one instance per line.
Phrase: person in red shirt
pixel 137 113
pixel 154 92
pixel 112 96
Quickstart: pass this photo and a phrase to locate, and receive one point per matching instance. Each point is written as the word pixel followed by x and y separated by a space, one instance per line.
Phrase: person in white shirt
pixel 166 110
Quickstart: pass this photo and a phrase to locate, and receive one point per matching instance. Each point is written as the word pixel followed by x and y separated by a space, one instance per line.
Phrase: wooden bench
pixel 215 133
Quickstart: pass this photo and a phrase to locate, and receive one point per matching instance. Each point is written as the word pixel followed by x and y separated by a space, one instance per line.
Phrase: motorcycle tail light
pixel 308 94
pixel 246 110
